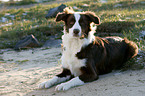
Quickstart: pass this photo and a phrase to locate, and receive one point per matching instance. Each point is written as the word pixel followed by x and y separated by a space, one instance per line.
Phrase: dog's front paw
pixel 73 82
pixel 62 86
pixel 48 84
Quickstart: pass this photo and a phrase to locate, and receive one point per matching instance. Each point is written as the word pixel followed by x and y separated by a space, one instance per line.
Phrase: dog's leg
pixel 65 75
pixel 87 76
pixel 73 82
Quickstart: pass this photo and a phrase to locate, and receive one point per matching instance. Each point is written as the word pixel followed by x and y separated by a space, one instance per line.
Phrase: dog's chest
pixel 69 59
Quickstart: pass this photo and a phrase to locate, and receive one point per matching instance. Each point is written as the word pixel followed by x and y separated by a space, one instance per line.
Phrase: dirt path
pixel 128 83
pixel 21 72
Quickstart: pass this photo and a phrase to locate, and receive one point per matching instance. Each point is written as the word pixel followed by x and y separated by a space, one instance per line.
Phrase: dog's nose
pixel 76 31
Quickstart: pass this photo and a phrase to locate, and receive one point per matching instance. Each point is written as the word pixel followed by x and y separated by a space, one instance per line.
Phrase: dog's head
pixel 78 24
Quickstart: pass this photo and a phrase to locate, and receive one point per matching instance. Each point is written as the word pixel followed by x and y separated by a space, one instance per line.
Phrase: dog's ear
pixel 61 17
pixel 92 17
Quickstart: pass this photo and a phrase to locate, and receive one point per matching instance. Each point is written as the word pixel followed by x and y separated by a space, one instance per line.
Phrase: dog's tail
pixel 132 49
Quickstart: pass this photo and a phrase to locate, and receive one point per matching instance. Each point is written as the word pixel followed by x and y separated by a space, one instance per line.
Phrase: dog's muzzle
pixel 76 32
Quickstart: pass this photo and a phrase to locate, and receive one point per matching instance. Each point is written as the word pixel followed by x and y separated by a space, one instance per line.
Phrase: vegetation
pixel 125 17
pixel 23 2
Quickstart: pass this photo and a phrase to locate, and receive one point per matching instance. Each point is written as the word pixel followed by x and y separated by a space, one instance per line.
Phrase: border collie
pixel 85 56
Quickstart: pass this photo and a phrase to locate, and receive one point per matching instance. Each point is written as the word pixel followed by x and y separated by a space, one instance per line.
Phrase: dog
pixel 85 56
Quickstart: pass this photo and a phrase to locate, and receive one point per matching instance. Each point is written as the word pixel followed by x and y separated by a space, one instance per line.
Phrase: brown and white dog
pixel 85 56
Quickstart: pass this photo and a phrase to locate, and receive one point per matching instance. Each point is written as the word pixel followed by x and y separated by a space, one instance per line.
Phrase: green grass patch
pixel 22 61
pixel 127 18
pixel 23 2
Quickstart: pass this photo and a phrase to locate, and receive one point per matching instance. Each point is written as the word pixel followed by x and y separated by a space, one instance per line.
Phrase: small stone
pixel 54 11
pixel 28 42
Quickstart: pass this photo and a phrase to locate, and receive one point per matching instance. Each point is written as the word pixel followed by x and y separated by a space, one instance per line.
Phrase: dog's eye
pixel 82 23
pixel 71 23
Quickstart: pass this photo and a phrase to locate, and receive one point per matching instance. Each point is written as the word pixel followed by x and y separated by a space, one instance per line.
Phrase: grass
pixel 23 2
pixel 22 61
pixel 127 19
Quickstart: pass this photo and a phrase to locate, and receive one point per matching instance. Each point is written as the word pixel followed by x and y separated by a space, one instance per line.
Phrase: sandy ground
pixel 21 72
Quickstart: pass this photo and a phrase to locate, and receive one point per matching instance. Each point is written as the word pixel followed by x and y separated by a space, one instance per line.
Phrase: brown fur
pixel 104 54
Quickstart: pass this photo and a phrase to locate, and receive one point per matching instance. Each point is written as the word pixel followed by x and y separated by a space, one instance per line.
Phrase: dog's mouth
pixel 77 36
pixel 82 37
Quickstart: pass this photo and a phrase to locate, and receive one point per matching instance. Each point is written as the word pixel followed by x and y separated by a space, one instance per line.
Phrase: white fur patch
pixel 53 81
pixel 75 26
pixel 73 82
pixel 72 46
pixel 69 59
